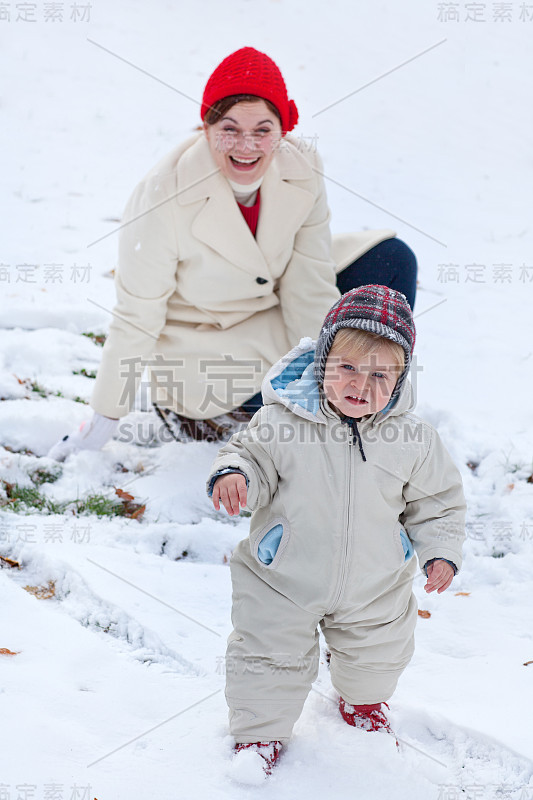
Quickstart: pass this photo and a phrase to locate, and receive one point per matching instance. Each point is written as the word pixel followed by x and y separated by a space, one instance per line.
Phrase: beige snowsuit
pixel 340 562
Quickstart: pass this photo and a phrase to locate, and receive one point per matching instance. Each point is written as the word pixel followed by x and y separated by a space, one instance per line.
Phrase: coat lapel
pixel 221 226
pixel 219 223
pixel 284 208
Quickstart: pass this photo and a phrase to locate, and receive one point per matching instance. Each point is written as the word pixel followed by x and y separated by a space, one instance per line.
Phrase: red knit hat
pixel 247 71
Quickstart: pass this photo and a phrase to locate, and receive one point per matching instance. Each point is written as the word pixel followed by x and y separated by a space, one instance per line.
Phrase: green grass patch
pixel 42 392
pixel 97 338
pixel 99 505
pixel 85 372
pixel 42 475
pixel 28 499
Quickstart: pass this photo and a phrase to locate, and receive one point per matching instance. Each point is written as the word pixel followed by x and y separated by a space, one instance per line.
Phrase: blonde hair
pixel 356 342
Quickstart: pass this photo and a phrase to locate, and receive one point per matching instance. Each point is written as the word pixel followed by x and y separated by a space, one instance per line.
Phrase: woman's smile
pixel 244 164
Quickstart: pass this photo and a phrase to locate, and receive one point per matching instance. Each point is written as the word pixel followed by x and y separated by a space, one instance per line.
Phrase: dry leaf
pixel 10 562
pixel 131 510
pixel 462 594
pixel 42 592
pixel 5 652
pixel 510 486
pixel 527 663
pixel 424 614
pixel 136 514
pixel 123 495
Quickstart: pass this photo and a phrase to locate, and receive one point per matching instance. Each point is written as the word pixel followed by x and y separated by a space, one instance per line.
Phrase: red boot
pixel 368 718
pixel 269 751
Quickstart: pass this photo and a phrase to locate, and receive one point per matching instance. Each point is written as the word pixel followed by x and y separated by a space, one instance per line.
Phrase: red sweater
pixel 251 213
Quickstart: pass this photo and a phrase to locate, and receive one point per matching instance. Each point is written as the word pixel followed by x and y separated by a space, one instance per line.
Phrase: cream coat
pixel 340 562
pixel 189 303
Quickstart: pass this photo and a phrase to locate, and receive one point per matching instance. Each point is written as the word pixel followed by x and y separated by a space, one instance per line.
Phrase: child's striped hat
pixel 373 308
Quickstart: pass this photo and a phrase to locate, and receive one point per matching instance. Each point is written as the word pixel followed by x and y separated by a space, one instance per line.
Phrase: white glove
pixel 91 435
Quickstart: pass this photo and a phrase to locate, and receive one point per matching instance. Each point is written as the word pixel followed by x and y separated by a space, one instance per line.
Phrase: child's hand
pixel 440 575
pixel 231 490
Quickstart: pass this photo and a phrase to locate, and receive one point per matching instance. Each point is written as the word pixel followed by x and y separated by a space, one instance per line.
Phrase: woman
pixel 225 262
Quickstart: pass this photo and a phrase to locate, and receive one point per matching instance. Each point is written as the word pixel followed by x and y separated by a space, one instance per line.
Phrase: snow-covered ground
pixel 116 686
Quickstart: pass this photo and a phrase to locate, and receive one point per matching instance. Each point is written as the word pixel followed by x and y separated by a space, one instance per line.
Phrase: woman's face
pixel 244 140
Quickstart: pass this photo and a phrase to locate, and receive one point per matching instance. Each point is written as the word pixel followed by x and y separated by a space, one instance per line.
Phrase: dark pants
pixel 390 263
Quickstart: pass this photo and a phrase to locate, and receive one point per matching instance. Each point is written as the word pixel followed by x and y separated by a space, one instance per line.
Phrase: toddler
pixel 344 484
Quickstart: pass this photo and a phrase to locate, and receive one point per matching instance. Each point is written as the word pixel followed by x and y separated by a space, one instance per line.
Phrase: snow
pixel 248 768
pixel 116 687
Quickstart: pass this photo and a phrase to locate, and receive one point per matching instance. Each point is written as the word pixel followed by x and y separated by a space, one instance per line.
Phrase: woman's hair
pixel 356 342
pixel 221 107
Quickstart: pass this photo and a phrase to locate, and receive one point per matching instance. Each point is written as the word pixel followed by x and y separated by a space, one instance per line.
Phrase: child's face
pixel 360 385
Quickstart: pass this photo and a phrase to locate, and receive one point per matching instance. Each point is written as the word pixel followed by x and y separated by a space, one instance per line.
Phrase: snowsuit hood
pixel 292 382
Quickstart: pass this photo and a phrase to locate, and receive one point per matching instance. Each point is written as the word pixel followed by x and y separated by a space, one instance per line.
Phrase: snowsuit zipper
pixel 346 548
pixel 354 436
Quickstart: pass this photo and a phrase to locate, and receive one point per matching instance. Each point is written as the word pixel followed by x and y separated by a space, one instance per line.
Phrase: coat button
pixel 261 280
